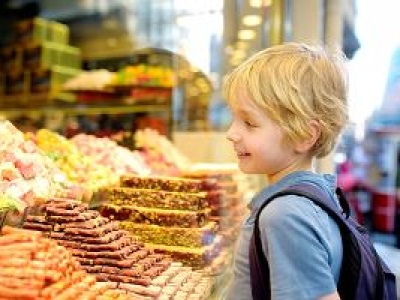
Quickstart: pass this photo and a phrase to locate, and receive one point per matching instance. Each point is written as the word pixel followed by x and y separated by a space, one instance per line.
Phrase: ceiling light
pixel 246 34
pixel 260 3
pixel 256 3
pixel 251 20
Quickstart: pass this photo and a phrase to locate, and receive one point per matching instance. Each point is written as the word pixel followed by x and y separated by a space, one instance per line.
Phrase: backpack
pixel 363 273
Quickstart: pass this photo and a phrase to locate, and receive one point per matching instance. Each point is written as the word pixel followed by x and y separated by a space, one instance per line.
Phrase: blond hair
pixel 294 84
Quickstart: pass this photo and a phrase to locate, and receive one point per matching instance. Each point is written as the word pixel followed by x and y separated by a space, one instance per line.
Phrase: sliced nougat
pixel 172 236
pixel 154 198
pixel 173 184
pixel 155 216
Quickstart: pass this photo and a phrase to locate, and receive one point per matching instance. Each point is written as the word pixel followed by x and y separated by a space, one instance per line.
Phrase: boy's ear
pixel 307 144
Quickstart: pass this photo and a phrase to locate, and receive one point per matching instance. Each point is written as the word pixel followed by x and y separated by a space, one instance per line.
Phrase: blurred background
pixel 104 67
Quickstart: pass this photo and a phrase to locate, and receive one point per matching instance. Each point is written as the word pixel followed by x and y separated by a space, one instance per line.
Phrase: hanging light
pixel 256 3
pixel 260 3
pixel 246 34
pixel 251 20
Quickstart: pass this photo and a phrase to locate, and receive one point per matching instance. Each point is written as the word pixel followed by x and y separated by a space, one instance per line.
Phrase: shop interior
pixel 96 95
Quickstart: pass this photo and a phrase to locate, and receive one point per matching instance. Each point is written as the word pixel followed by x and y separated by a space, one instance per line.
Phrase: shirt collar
pixel 324 180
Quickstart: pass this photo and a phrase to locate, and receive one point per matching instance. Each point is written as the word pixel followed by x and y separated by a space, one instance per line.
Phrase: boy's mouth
pixel 243 154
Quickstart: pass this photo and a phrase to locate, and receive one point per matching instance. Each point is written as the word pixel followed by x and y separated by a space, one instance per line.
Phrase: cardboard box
pixel 45 85
pixel 11 58
pixel 16 82
pixel 49 54
pixel 33 30
pixel 58 33
pixel 70 56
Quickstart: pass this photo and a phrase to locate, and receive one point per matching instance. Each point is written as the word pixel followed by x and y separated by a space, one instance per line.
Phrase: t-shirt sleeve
pixel 297 249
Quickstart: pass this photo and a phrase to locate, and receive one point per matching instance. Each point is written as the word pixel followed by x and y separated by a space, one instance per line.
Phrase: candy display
pixel 224 197
pixel 97 243
pixel 160 217
pixel 159 153
pixel 224 194
pixel 95 80
pixel 150 233
pixel 34 267
pixel 144 75
pixel 9 204
pixel 123 201
pixel 26 175
pixel 171 184
pixel 108 153
pixel 173 236
pixel 109 253
pixel 78 168
pixel 182 230
pixel 197 257
pixel 154 198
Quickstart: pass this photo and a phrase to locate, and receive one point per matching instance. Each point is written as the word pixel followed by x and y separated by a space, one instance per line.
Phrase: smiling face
pixel 301 88
pixel 259 142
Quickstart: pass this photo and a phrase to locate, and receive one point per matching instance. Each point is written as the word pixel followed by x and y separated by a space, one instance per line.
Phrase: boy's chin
pixel 249 170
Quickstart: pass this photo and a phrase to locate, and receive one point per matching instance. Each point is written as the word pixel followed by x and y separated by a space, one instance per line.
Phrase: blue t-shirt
pixel 301 242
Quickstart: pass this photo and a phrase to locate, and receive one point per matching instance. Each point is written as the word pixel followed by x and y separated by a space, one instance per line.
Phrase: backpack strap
pixel 321 198
pixel 259 268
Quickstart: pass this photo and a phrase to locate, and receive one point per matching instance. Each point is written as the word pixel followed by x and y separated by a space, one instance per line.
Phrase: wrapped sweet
pixel 159 153
pixel 169 214
pixel 172 236
pixel 197 257
pixel 109 253
pixel 34 267
pixel 171 184
pixel 108 153
pixel 26 175
pixel 153 198
pixel 79 169
pixel 95 80
pixel 155 216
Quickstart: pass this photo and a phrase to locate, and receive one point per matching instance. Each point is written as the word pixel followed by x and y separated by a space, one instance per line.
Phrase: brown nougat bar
pixel 172 184
pixel 193 257
pixel 161 217
pixel 154 198
pixel 172 236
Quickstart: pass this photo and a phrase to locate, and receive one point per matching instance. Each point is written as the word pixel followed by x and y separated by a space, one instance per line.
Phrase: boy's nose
pixel 231 135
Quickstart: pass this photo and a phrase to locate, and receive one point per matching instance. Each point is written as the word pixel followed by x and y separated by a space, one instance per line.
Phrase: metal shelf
pixel 80 109
pixel 44 105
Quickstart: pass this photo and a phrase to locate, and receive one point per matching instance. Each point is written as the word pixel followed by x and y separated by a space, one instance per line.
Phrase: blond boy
pixel 289 106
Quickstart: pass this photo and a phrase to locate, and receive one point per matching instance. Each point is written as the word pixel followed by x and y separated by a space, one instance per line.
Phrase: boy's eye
pixel 249 124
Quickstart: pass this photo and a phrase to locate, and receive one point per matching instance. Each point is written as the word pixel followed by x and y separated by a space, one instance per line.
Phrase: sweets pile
pixel 159 153
pixel 144 75
pixel 26 175
pixel 224 197
pixel 108 153
pixel 34 267
pixel 78 168
pixel 94 80
pixel 170 214
pixel 221 184
pixel 114 256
